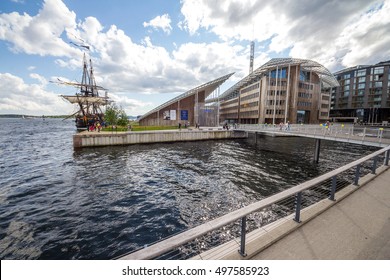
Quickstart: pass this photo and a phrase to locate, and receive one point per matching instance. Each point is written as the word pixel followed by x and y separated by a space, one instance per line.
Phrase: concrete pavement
pixel 356 228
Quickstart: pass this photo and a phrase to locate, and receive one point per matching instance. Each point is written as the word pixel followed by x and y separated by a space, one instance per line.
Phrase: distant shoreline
pixel 17 116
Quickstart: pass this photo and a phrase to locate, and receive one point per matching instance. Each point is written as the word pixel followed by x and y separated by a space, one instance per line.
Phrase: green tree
pixel 116 116
pixel 123 120
pixel 111 116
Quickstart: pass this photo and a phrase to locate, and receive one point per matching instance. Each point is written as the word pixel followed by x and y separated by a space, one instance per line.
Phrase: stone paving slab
pixel 356 228
pixel 331 234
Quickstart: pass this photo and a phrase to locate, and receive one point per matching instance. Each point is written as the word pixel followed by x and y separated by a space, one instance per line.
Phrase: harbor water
pixel 100 203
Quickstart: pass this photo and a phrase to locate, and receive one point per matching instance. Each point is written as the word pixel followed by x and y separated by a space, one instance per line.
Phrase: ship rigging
pixel 88 99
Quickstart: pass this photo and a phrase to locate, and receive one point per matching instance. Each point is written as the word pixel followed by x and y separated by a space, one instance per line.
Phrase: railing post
pixel 317 151
pixel 374 165
pixel 243 235
pixel 333 188
pixel 387 154
pixel 298 200
pixel 357 175
pixel 364 133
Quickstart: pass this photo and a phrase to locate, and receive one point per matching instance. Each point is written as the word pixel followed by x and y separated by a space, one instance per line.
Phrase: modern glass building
pixel 188 108
pixel 282 90
pixel 363 94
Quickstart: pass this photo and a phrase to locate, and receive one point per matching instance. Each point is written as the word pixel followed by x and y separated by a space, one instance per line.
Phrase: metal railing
pixel 377 136
pixel 239 222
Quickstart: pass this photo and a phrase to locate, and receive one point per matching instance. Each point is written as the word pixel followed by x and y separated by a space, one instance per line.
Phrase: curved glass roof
pixel 307 65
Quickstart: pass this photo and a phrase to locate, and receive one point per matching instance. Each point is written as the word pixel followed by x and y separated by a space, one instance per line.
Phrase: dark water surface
pixel 99 203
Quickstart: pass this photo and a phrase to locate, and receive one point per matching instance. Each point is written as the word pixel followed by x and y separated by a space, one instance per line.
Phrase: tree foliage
pixel 116 116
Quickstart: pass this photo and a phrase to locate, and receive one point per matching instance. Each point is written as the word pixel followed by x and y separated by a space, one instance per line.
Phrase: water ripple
pixel 99 203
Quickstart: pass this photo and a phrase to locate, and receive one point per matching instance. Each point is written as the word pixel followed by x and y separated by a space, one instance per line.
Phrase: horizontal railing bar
pixel 168 244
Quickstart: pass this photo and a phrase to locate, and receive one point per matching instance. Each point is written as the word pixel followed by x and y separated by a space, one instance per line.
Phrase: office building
pixel 363 94
pixel 282 90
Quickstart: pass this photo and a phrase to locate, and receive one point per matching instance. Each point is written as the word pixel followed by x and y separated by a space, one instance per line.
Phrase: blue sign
pixel 184 115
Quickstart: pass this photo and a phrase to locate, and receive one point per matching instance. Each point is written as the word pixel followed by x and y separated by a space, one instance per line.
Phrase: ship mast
pixel 88 98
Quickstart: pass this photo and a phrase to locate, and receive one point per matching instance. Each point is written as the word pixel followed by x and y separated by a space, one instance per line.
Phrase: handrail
pixel 168 244
pixel 379 137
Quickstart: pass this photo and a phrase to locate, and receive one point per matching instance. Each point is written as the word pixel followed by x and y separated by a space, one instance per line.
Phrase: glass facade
pixel 282 73
pixel 304 76
pixel 360 73
pixel 370 89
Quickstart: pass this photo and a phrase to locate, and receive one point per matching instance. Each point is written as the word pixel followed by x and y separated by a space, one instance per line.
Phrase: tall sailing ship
pixel 90 102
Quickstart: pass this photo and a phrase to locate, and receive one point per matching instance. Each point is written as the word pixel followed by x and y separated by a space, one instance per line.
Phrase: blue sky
pixel 147 52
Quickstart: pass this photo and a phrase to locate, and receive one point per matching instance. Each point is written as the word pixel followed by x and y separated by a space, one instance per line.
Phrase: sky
pixel 147 52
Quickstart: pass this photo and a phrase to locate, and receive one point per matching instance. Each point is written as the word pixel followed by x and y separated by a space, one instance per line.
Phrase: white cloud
pixel 40 34
pixel 125 66
pixel 131 106
pixel 335 33
pixel 163 22
pixel 369 32
pixel 122 65
pixel 40 78
pixel 18 97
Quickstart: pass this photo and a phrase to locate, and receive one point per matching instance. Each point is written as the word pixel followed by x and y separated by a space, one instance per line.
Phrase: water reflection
pixel 99 203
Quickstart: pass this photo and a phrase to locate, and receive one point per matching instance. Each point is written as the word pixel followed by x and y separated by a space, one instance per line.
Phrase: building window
pixel 252 104
pixel 376 91
pixel 306 86
pixel 361 86
pixel 252 87
pixel 278 102
pixel 304 104
pixel 347 82
pixel 378 70
pixel 360 73
pixel 361 80
pixel 304 76
pixel 347 76
pixel 282 73
pixel 305 95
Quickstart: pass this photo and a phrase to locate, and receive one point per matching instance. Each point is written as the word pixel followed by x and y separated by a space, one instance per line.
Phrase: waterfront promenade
pixel 356 228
